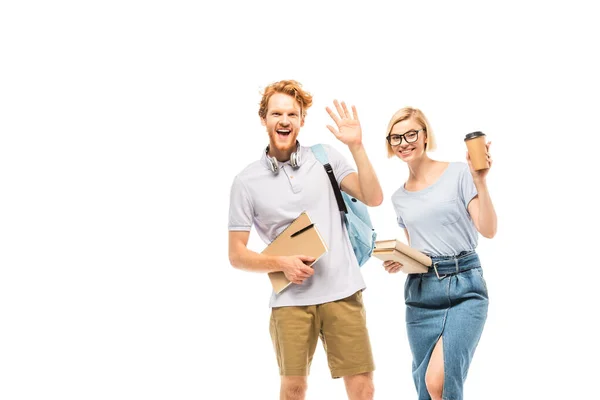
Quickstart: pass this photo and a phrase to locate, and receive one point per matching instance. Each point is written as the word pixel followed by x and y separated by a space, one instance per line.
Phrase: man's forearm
pixel 248 260
pixel 367 178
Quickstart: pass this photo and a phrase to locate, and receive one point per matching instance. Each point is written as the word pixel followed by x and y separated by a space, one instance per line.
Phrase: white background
pixel 123 124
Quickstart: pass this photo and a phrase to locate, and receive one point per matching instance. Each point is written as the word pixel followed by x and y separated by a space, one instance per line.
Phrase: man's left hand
pixel 348 126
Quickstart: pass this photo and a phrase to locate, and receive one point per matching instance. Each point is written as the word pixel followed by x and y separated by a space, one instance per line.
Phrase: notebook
pixel 413 261
pixel 300 237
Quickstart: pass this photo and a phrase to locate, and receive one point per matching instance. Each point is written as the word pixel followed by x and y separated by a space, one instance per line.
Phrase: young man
pixel 324 300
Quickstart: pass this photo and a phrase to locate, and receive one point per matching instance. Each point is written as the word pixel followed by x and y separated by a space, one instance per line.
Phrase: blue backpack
pixel 354 213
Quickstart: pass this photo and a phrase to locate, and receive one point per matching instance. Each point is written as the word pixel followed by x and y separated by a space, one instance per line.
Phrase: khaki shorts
pixel 342 327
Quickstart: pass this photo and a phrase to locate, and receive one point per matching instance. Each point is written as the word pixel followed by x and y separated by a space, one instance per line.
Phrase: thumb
pixel 308 259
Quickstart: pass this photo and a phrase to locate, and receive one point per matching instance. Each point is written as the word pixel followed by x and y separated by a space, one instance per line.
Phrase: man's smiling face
pixel 283 122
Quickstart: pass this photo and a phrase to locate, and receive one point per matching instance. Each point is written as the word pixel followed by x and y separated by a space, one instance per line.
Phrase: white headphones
pixel 294 159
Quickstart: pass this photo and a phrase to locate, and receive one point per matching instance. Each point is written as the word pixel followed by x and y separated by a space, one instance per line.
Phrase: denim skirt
pixel 450 301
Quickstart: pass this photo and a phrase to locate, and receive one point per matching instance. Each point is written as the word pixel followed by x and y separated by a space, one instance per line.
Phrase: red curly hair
pixel 289 87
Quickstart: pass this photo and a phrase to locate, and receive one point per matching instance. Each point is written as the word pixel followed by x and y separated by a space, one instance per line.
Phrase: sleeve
pixel 400 221
pixel 341 166
pixel 241 210
pixel 466 189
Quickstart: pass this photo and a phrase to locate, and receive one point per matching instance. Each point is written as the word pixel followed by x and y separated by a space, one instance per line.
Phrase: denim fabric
pixel 452 306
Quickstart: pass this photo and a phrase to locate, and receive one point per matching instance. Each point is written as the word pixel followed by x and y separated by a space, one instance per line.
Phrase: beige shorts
pixel 342 326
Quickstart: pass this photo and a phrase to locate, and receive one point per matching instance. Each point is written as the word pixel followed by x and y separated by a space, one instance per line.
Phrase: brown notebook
pixel 413 261
pixel 301 237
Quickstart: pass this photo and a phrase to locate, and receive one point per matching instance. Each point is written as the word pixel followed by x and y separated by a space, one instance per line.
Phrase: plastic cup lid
pixel 474 135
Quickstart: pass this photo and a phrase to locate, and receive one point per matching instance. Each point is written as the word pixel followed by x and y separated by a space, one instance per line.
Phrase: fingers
pixel 343 112
pixel 302 274
pixel 390 263
pixel 346 112
pixel 392 266
pixel 488 155
pixel 339 109
pixel 334 117
pixel 306 271
pixel 394 270
pixel 299 278
pixel 332 130
pixel 300 271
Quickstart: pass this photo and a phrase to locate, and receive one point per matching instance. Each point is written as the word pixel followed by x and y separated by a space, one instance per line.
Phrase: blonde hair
pixel 408 113
pixel 289 87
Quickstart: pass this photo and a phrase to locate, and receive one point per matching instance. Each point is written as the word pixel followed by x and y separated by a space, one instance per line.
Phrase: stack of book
pixel 413 261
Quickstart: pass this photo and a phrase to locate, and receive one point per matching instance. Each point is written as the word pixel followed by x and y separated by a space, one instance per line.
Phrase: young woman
pixel 442 207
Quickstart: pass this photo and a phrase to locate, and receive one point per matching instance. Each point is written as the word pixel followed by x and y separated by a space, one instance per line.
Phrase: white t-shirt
pixel 436 217
pixel 271 202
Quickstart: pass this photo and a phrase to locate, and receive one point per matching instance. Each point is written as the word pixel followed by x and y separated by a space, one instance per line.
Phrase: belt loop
pixel 456 263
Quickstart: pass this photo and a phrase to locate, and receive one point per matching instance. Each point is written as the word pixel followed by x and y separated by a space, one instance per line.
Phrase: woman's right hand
pixel 392 266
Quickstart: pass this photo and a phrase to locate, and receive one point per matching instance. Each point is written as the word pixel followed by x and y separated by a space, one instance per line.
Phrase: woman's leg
pixel 434 377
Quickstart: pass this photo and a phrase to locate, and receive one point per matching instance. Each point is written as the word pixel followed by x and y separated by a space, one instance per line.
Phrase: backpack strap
pixel 321 155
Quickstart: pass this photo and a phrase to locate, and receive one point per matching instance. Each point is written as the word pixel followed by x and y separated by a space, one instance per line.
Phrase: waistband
pixel 447 265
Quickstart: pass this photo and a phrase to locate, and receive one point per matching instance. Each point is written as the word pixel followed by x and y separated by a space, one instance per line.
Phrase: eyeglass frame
pixel 403 137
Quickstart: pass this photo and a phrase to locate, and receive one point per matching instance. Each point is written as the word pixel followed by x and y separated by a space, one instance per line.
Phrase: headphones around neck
pixel 294 159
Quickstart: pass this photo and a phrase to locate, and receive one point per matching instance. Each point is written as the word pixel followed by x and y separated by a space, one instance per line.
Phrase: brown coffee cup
pixel 477 150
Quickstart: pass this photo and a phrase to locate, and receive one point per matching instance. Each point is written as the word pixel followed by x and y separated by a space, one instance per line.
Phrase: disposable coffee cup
pixel 477 151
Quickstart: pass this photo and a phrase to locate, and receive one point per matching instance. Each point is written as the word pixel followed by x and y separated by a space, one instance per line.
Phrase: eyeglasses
pixel 410 137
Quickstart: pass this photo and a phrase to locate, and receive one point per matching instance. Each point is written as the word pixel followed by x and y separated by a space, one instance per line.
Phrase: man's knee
pixel 360 386
pixel 367 392
pixel 293 388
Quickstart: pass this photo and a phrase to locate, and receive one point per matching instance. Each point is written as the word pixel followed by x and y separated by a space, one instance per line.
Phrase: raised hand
pixel 482 173
pixel 348 126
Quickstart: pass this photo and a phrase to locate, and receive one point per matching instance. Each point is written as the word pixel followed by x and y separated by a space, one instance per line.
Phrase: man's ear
pixel 263 122
pixel 301 122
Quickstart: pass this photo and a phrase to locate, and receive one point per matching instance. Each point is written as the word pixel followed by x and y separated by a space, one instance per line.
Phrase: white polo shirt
pixel 272 201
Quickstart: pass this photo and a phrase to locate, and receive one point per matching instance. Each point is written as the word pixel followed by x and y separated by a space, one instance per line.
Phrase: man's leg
pixel 360 386
pixel 294 332
pixel 293 387
pixel 346 341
